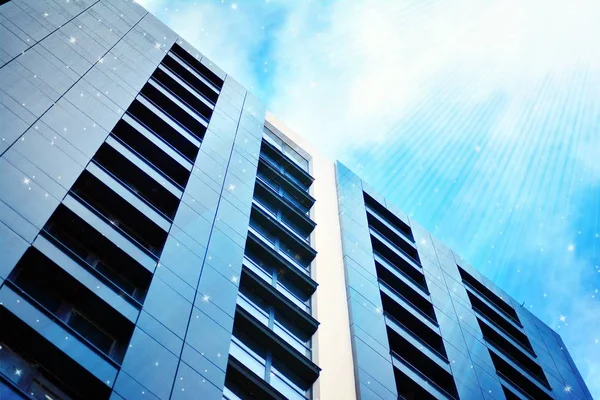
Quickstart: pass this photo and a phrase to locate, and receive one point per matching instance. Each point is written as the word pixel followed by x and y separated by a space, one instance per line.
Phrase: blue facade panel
pixel 89 90
pixel 449 331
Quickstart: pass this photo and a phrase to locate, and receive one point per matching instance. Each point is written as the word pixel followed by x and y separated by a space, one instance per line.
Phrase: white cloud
pixel 377 59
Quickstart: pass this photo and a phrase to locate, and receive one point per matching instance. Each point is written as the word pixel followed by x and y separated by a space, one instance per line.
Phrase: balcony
pixel 175 109
pixel 290 373
pixel 394 261
pixel 123 216
pixel 162 126
pixel 37 361
pixel 395 249
pixel 504 324
pixel 292 324
pixel 415 376
pixel 298 223
pixel 151 191
pixel 106 229
pixel 392 234
pixel 299 275
pixel 282 285
pixel 409 389
pixel 175 171
pixel 241 382
pixel 507 372
pixel 186 94
pixel 422 330
pixel 285 187
pixel 285 149
pixel 294 279
pixel 276 215
pixel 279 161
pixel 197 66
pixel 406 289
pixel 493 299
pixel 391 220
pixel 498 340
pixel 302 346
pixel 290 246
pixel 75 307
pixel 201 85
pixel 97 254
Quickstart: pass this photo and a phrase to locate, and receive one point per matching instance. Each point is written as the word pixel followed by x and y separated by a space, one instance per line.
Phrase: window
pixel 197 66
pixel 272 138
pixel 170 133
pixel 98 254
pixel 262 362
pixel 266 231
pixel 285 386
pixel 429 370
pixel 286 329
pixel 29 363
pixel 296 157
pixel 487 294
pixel 281 282
pixel 247 356
pixel 293 253
pixel 284 163
pixel 90 330
pixel 177 111
pixel 298 225
pixel 294 295
pixel 255 306
pixel 136 180
pixel 187 95
pixel 229 395
pixel 273 182
pixel 266 202
pixel 28 377
pixel 286 149
pixel 100 198
pixel 69 301
pixel 303 207
pixel 375 207
pixel 273 318
pixel 271 271
pixel 286 244
pixel 148 151
pixel 285 219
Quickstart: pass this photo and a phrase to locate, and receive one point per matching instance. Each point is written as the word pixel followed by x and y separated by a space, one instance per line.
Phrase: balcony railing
pixel 258 270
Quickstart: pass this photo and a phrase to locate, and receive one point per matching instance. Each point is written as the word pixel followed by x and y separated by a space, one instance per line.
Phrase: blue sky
pixel 480 118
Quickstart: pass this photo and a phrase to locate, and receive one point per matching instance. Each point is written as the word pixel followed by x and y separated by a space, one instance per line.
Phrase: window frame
pixel 272 322
pixel 268 368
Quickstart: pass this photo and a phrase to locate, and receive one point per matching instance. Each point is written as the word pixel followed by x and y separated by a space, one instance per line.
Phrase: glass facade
pixel 158 240
pixel 273 325
pixel 128 161
pixel 426 325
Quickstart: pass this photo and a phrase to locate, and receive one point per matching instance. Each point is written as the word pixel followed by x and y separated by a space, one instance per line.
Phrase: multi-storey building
pixel 163 237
